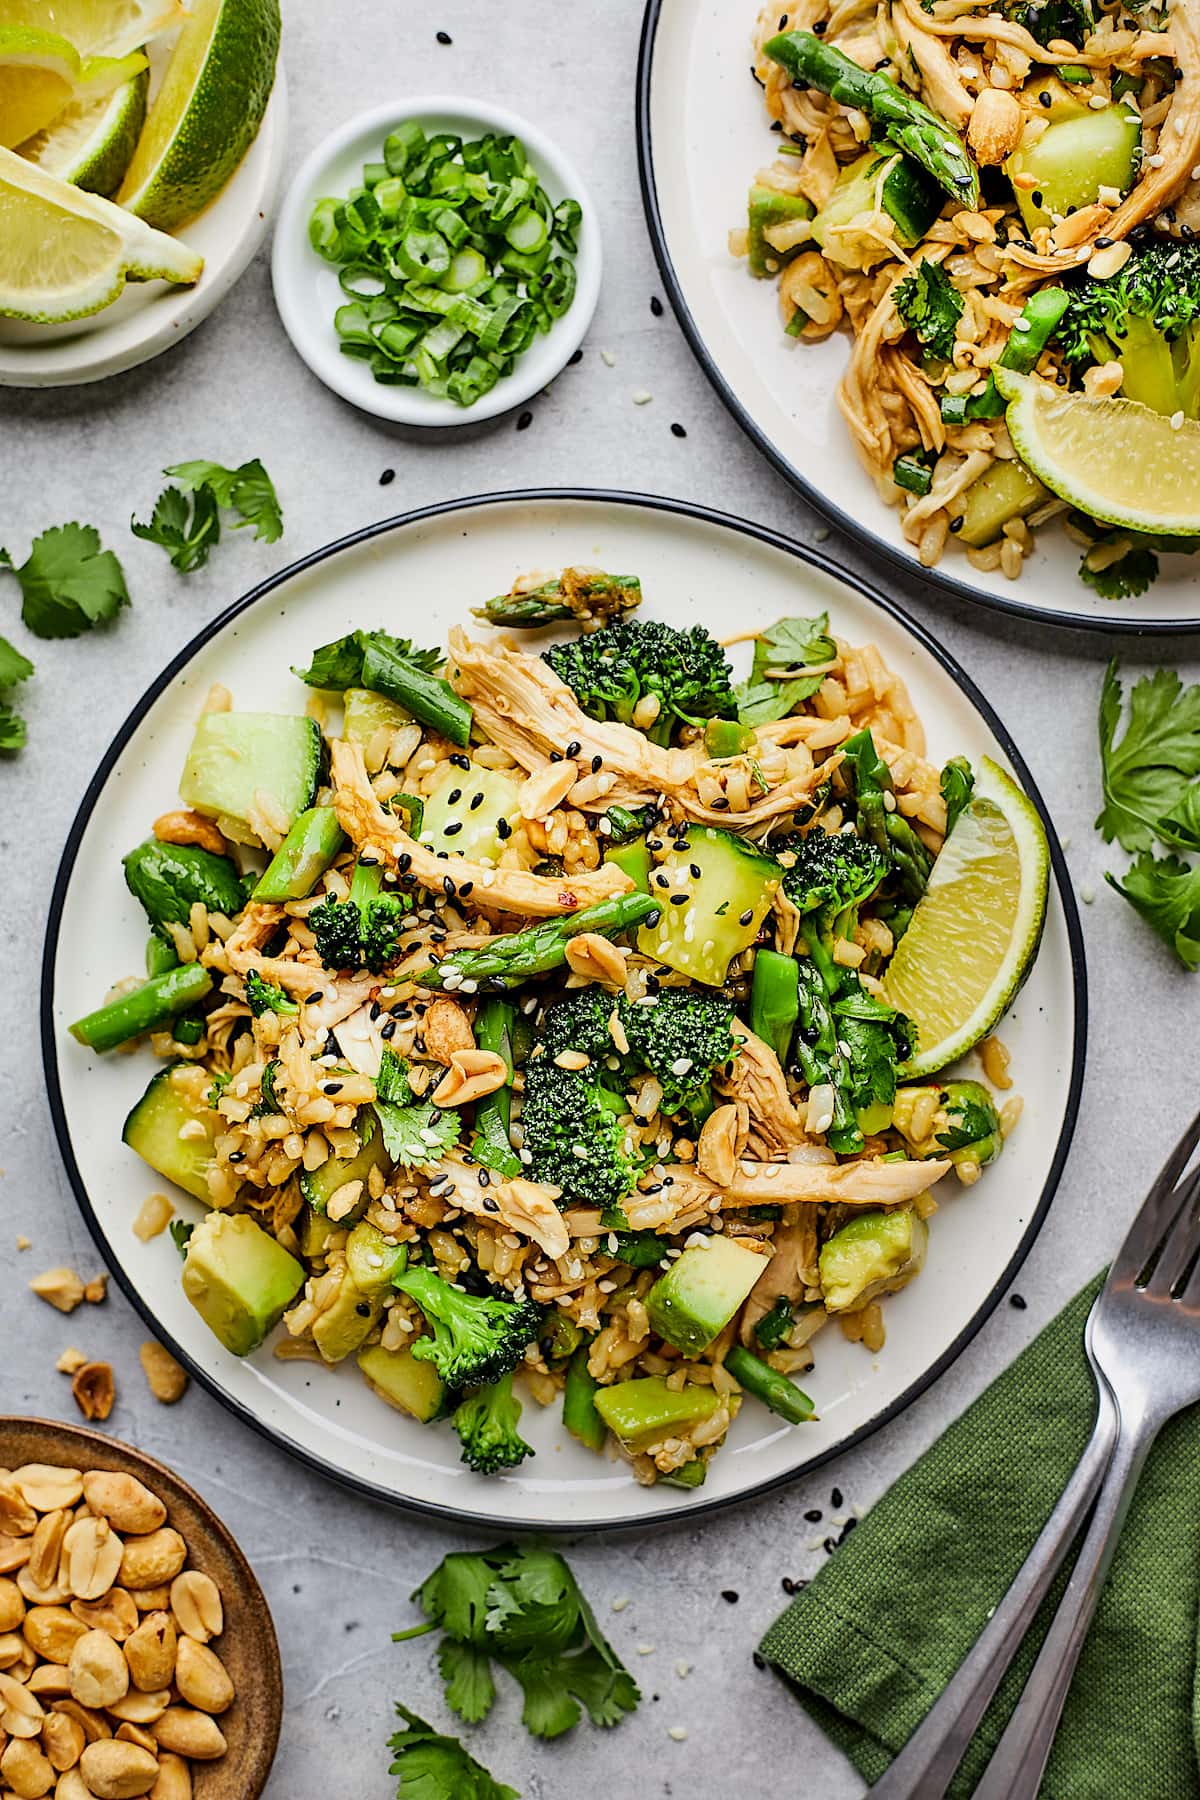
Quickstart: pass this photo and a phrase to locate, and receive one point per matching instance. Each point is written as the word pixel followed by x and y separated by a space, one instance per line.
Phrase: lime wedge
pixel 92 143
pixel 65 254
pixel 976 928
pixel 207 112
pixel 41 74
pixel 96 27
pixel 1116 460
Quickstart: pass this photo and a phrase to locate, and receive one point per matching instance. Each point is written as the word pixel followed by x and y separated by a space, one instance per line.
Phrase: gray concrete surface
pixel 338 1571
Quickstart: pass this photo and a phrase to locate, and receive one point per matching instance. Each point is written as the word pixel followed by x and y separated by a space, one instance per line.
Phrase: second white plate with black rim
pixel 420 574
pixel 702 134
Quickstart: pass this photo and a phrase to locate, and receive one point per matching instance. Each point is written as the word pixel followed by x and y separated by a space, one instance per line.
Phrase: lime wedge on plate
pixel 96 27
pixel 92 143
pixel 976 929
pixel 1116 460
pixel 65 254
pixel 207 112
pixel 41 74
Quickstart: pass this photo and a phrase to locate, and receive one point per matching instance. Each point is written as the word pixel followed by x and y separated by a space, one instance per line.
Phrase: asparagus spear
pixel 506 961
pixel 772 1388
pixel 869 780
pixel 303 857
pixel 584 595
pixel 906 121
pixel 492 1145
pixel 774 1001
pixel 579 1403
pixel 821 1060
pixel 154 1003
pixel 1029 337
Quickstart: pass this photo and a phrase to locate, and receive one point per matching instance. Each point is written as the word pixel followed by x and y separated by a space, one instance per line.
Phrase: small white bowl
pixel 307 291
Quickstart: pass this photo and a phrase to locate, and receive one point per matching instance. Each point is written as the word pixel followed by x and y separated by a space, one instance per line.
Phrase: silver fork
pixel 1142 1340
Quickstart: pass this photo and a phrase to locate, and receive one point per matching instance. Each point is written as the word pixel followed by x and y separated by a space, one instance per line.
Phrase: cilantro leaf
pixel 13 666
pixel 1166 891
pixel 467 1673
pixel 1131 575
pixel 68 584
pixel 1144 775
pixel 931 307
pixel 247 490
pixel 339 665
pixel 181 1231
pixel 433 1767
pixel 524 1609
pixel 957 786
pixel 186 529
pixel 1181 829
pixel 791 644
pixel 417 1134
pixel 12 731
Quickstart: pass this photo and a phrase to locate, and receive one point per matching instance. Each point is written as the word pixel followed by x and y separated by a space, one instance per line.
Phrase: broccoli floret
pixel 683 1039
pixel 1147 318
pixel 262 996
pixel 570 1120
pixel 477 1339
pixel 632 660
pixel 829 878
pixel 364 931
pixel 487 1422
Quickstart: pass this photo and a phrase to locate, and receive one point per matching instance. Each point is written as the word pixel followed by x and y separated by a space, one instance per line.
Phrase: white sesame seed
pixel 622 1601
pixel 678 1732
pixel 645 1649
pixel 1156 161
pixel 683 1669
pixel 1177 421
pixel 608 358
pixel 641 396
pixel 1087 894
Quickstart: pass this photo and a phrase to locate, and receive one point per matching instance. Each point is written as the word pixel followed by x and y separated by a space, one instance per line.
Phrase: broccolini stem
pixel 579 1403
pixel 507 961
pixel 155 1003
pixel 427 697
pixel 821 1062
pixel 577 594
pixel 907 122
pixel 492 1145
pixel 769 1386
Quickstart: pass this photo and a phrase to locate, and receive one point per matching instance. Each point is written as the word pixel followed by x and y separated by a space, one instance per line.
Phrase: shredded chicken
pixel 526 1207
pixel 363 819
pixel 868 1182
pixel 756 1078
pixel 790 1272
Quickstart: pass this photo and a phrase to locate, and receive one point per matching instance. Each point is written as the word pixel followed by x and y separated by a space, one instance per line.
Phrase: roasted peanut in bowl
pixel 137 1654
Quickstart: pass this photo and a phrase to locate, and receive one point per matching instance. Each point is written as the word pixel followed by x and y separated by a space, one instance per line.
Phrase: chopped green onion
pixel 954 409
pixel 913 474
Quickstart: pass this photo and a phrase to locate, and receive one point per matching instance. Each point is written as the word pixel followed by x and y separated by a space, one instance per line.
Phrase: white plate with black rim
pixel 421 574
pixel 702 134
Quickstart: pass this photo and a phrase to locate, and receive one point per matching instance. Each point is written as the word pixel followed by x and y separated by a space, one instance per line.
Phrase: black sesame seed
pixel 730 1595
pixel 388 1030
pixel 720 804
pixel 829 1546
pixel 387 478
pixel 311 999
pixel 677 430
pixel 459 762
pixel 694 870
pixel 447 887
pixel 1037 198
pixel 1019 1301
pixel 369 862
pixel 363 1309
pixel 450 830
pixel 476 801
pixel 1044 99
pixel 525 421
pixel 573 747
pixel 575 357
pixel 555 756
pixel 680 899
pixel 465 889
pixel 656 306
pixel 759 1661
pixel 503 829
pixel 490 1205
pixel 376 1009
pixel 814 1515
pixel 452 799
pixel 597 764
pixel 957 524
pixel 443 37
pixel 835 1499
pixel 404 861
pixel 788 1585
pixel 331 1087
pixel 819 27
pixel 745 918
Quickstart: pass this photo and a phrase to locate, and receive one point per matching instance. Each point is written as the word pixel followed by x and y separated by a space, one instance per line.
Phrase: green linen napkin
pixel 870 1644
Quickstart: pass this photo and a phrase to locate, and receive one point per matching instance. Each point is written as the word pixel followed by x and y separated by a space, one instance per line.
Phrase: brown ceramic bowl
pixel 247 1647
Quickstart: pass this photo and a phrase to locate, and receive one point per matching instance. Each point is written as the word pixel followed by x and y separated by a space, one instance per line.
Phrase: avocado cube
pixel 346 1323
pixel 410 1386
pixel 695 1300
pixel 239 1279
pixel 875 1253
pixel 644 1407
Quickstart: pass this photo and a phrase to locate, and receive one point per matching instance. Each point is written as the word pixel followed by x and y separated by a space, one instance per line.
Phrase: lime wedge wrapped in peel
pixel 65 253
pixel 92 143
pixel 1116 460
pixel 41 74
pixel 976 929
pixel 207 112
pixel 96 27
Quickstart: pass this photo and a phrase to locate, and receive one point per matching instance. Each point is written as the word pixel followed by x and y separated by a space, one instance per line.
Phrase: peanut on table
pixel 109 1685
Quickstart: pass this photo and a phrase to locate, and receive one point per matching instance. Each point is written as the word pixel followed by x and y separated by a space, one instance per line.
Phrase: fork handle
pixel 927 1764
pixel 1019 1760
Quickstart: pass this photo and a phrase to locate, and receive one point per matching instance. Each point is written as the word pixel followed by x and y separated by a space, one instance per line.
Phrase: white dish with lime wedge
pixel 150 315
pixel 418 575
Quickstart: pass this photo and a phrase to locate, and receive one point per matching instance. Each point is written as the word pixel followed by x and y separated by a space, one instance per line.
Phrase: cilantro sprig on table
pixel 68 583
pixel 1151 782
pixel 523 1610
pixel 186 520
pixel 434 1767
pixel 14 668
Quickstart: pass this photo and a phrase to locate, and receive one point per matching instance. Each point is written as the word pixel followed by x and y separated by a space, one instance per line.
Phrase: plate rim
pixel 856 530
pixel 197 304
pixel 864 586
